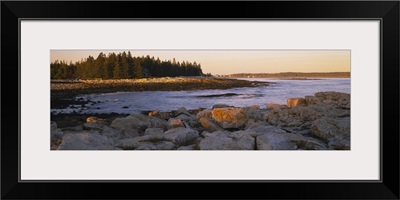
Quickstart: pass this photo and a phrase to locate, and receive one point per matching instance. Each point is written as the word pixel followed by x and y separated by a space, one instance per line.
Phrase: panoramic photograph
pixel 200 100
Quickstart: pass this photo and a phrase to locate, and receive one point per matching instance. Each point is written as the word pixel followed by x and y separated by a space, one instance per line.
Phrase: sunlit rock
pixel 293 102
pixel 229 117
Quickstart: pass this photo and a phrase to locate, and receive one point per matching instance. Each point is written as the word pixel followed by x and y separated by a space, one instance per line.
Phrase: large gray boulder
pixel 139 122
pixel 154 131
pixel 256 115
pixel 182 111
pixel 288 141
pixel 224 140
pixel 151 141
pixel 334 130
pixel 181 136
pixel 341 100
pixel 136 142
pixel 330 110
pixel 93 126
pixel 128 144
pixel 129 123
pixel 154 122
pixel 86 141
pixel 115 133
pixel 165 145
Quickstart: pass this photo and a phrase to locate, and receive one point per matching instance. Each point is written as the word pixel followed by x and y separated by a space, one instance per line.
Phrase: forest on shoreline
pixel 123 66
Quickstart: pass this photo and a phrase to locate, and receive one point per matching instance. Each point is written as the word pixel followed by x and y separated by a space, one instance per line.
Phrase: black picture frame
pixel 386 11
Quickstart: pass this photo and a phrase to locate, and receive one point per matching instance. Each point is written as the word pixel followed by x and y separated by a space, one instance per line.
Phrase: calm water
pixel 133 102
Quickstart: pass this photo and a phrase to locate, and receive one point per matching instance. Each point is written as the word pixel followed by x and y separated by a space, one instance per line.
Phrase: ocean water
pixel 278 92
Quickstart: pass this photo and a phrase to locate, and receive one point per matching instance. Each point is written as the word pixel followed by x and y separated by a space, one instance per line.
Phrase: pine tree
pixel 124 66
pixel 130 64
pixel 117 70
pixel 137 69
pixel 100 65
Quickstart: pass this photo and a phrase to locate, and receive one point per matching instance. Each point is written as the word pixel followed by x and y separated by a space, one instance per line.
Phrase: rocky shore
pixel 150 84
pixel 319 122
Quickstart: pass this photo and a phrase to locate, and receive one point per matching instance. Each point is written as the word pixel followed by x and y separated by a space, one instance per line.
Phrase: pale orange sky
pixel 237 61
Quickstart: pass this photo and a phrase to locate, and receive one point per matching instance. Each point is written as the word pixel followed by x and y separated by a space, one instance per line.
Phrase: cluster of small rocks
pixel 319 122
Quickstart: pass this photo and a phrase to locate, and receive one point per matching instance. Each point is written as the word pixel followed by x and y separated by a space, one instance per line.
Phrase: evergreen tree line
pixel 122 66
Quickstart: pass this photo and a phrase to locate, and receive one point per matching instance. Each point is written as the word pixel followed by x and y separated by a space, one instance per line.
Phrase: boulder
pixel 257 115
pixel 182 136
pixel 186 118
pixel 139 122
pixel 165 145
pixel 288 141
pixel 181 111
pixel 334 96
pixel 265 129
pixel 293 102
pixel 229 117
pixel 330 110
pixel 209 125
pixel 224 140
pixel 334 130
pixel 129 134
pixel 153 131
pixel 154 122
pixel 339 99
pixel 272 106
pixel 129 123
pixel 204 114
pixel 86 141
pixel 175 123
pixel 93 126
pixel 128 144
pixel 254 122
pixel 310 100
pixel 284 117
pixel 134 143
pixel 308 114
pixel 111 132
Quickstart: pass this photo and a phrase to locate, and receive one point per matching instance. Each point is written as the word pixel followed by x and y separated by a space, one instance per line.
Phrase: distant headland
pixel 290 75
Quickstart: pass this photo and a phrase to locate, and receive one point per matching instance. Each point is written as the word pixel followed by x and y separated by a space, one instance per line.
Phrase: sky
pixel 223 62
